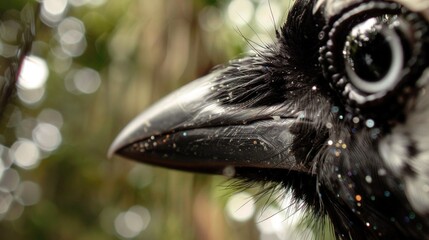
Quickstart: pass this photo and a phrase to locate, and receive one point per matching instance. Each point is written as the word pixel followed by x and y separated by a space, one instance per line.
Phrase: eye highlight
pixel 373 51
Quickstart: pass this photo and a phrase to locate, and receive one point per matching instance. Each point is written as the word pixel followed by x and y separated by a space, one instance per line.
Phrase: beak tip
pixel 119 143
pixel 112 149
pixel 126 136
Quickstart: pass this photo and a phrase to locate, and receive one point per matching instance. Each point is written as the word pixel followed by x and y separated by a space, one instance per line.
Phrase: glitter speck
pixel 369 123
pixel 355 120
pixel 337 153
pixel 368 179
pixel 314 88
pixel 358 198
pixel 382 172
pixel 386 193
pixel 229 171
pixel 330 142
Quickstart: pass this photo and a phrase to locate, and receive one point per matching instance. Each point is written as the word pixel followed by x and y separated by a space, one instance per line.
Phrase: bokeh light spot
pixel 240 12
pixel 34 73
pixel 51 116
pixel 270 221
pixel 240 207
pixel 71 33
pixel 9 30
pixel 87 80
pixel 9 180
pixel 47 136
pixel 25 154
pixel 283 220
pixel 53 10
pixel 55 7
pixel 267 15
pixel 28 193
pixel 79 3
pixel 31 96
pixel 6 200
pixel 131 223
pixel 15 211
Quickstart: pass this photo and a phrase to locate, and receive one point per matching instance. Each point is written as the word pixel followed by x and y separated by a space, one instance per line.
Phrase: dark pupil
pixel 369 55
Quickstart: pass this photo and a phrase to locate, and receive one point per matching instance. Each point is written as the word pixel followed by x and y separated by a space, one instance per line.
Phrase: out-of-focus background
pixel 94 65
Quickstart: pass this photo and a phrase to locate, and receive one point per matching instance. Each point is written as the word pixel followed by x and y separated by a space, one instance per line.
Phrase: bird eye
pixel 372 51
pixel 373 56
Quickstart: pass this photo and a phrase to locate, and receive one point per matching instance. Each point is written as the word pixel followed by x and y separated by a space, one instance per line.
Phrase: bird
pixel 335 111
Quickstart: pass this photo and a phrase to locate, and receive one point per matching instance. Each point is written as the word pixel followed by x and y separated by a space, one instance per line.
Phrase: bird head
pixel 336 110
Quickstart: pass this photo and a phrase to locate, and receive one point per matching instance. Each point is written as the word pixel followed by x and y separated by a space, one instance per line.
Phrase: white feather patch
pixel 394 151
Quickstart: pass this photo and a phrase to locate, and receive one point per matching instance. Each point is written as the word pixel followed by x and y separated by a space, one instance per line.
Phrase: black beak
pixel 190 130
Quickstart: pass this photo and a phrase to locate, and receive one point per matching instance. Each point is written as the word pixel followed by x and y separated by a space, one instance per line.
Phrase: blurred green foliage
pixel 142 50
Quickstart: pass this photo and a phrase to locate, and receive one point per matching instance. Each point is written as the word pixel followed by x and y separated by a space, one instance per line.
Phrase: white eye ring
pixel 392 77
